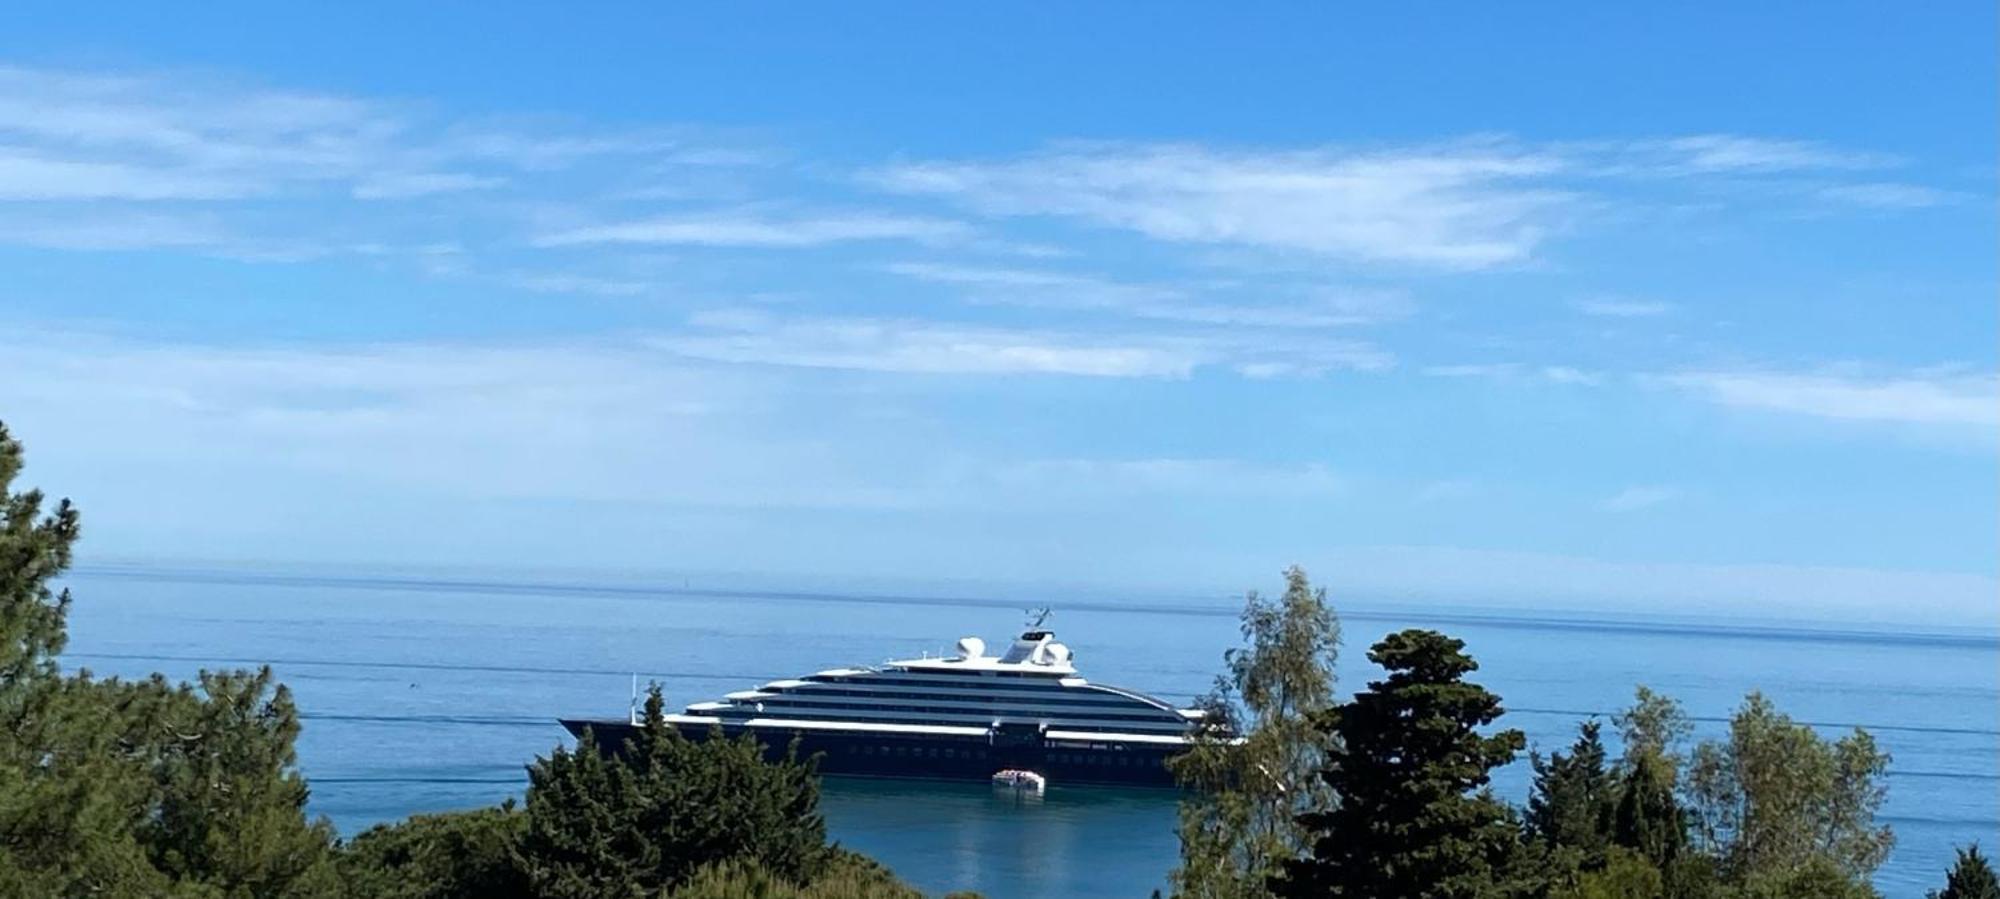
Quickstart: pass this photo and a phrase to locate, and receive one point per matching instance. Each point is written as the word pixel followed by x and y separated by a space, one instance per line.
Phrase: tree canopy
pixel 1252 767
pixel 1406 758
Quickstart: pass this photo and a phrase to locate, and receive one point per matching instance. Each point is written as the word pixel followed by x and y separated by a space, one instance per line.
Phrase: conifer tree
pixel 643 818
pixel 1971 878
pixel 1252 768
pixel 1571 803
pixel 456 855
pixel 1406 757
pixel 142 788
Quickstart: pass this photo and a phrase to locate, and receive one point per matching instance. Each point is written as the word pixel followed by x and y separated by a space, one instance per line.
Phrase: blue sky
pixel 1579 307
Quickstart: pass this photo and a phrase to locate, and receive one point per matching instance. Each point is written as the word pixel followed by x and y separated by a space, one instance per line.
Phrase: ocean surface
pixel 427 693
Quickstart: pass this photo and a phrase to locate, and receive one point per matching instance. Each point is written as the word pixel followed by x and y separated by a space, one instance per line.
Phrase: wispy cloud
pixel 1920 398
pixel 1455 207
pixel 419 184
pixel 1888 195
pixel 1318 307
pixel 1172 477
pixel 259 162
pixel 1554 374
pixel 1610 307
pixel 1736 154
pixel 929 347
pixel 739 229
pixel 553 282
pixel 1644 496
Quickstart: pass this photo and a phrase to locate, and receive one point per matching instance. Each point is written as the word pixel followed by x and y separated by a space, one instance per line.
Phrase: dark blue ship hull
pixel 938 756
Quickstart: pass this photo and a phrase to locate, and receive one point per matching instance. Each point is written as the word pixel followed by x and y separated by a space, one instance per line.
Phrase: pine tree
pixel 1252 767
pixel 1406 758
pixel 1571 803
pixel 1971 878
pixel 143 788
pixel 643 818
pixel 456 855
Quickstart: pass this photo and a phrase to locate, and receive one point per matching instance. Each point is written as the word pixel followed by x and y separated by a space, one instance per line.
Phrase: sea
pixel 428 691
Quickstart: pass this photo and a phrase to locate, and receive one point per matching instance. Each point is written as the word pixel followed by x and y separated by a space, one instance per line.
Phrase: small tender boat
pixel 1017 779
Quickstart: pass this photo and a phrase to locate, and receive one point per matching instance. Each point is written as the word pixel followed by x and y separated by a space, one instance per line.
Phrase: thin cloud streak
pixel 736 229
pixel 1920 399
pixel 1042 289
pixel 1639 497
pixel 934 348
pixel 1455 208
pixel 1616 308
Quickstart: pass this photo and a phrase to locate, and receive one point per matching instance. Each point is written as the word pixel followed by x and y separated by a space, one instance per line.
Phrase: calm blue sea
pixel 431 693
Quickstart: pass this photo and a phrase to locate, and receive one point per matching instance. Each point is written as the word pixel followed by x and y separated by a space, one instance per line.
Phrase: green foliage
pixel 1817 878
pixel 645 818
pixel 1252 767
pixel 1655 726
pixel 1624 875
pixel 1646 818
pixel 1775 798
pixel 1406 758
pixel 1573 798
pixel 1971 878
pixel 846 875
pixel 457 855
pixel 147 788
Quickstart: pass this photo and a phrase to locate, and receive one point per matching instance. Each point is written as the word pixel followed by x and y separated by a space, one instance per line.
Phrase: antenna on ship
pixel 1036 616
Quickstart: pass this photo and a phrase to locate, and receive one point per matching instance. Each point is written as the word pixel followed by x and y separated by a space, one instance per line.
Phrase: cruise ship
pixel 962 716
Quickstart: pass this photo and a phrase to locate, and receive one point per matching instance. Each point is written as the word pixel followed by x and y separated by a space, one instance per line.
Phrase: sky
pixel 1573 306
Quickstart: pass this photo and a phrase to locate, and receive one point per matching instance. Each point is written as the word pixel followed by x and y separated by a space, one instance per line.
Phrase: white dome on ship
pixel 971 648
pixel 1057 653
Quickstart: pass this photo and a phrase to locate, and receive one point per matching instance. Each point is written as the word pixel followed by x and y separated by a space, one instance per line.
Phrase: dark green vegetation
pixel 147 789
pixel 1399 807
pixel 115 789
pixel 1971 878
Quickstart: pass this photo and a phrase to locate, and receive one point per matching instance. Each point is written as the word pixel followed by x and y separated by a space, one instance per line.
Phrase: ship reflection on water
pixel 1070 840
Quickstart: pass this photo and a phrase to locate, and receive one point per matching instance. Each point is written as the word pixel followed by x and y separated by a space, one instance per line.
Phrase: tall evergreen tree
pixel 1405 758
pixel 644 818
pixel 1971 878
pixel 146 788
pixel 1252 768
pixel 1570 805
pixel 1645 817
pixel 456 855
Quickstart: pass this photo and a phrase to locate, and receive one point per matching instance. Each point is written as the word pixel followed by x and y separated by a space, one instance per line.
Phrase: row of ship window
pixel 1062 758
pixel 844 717
pixel 1065 701
pixel 1156 716
pixel 916 752
pixel 1122 761
pixel 1026 682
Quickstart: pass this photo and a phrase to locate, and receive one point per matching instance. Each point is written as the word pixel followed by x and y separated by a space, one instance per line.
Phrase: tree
pixel 1774 797
pixel 1654 726
pixel 142 788
pixel 846 876
pixel 1405 757
pixel 1624 875
pixel 1253 761
pixel 457 855
pixel 645 817
pixel 1571 803
pixel 1971 878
